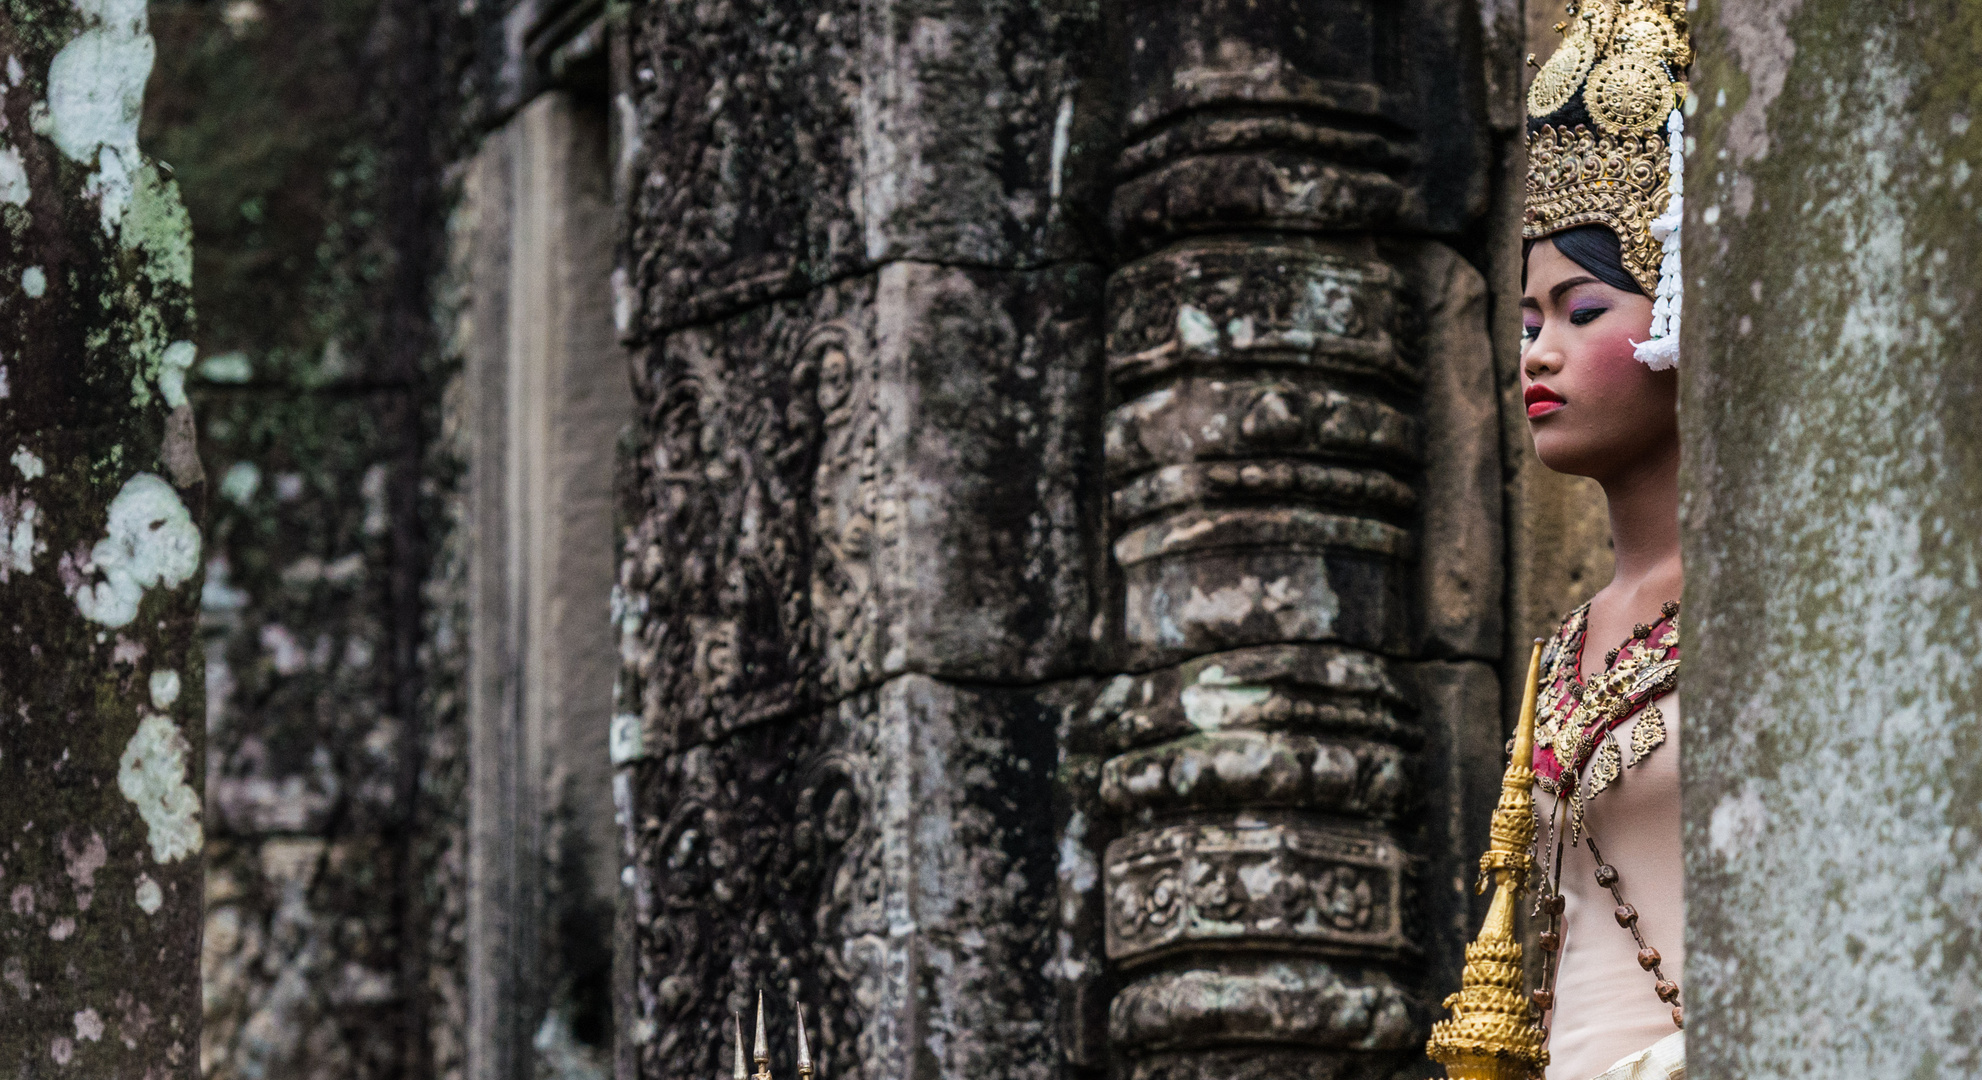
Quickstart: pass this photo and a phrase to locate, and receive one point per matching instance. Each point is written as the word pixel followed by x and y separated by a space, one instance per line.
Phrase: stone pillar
pixel 1302 460
pixel 1832 497
pixel 101 742
pixel 546 397
pixel 862 523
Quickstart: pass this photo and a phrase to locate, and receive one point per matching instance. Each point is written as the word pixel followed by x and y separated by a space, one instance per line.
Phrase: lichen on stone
pixel 152 775
pixel 150 540
pixel 164 686
pixel 28 463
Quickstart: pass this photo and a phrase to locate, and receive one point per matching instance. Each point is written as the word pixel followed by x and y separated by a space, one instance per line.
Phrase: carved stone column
pixel 1304 501
pixel 862 511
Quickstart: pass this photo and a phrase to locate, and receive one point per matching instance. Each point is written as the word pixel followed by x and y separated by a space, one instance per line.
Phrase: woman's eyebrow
pixel 1564 286
pixel 1531 302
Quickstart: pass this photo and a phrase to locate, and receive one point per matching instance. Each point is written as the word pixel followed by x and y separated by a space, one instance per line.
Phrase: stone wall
pixel 860 581
pixel 1830 488
pixel 997 364
pixel 301 136
pixel 1065 580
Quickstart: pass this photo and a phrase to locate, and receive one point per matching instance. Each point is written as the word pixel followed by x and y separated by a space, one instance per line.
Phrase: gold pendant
pixel 1606 767
pixel 1648 734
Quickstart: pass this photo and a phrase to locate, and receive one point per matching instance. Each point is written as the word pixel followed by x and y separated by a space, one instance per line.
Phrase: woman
pixel 1600 308
pixel 1597 411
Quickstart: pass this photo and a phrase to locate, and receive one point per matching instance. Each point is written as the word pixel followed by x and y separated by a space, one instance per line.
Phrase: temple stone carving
pixel 1304 503
pixel 1063 580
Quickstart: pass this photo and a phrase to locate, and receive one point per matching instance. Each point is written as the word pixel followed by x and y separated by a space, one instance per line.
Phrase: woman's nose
pixel 1542 358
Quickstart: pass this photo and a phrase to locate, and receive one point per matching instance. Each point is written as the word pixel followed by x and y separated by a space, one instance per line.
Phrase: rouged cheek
pixel 1606 363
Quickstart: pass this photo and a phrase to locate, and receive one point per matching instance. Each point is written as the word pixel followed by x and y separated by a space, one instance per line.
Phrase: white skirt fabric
pixel 1663 1060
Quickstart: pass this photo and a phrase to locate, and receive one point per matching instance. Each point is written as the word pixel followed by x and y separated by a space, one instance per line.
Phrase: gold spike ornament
pixel 1493 1033
pixel 761 1053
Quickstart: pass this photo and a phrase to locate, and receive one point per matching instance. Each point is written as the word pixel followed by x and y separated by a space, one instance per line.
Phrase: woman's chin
pixel 1561 451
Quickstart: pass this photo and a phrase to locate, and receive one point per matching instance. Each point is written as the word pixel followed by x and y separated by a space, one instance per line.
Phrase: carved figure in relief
pixel 1601 309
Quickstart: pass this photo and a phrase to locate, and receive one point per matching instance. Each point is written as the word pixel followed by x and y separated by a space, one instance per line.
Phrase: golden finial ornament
pixel 804 1048
pixel 762 1051
pixel 1492 1033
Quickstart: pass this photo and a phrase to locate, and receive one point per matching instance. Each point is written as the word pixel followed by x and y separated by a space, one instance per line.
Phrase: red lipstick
pixel 1541 401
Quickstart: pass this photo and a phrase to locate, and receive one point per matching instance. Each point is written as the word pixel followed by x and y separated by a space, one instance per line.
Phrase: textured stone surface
pixel 1458 777
pixel 877 446
pixel 1461 565
pixel 1830 506
pixel 1304 473
pixel 785 145
pixel 1298 115
pixel 300 136
pixel 1264 882
pixel 891 475
pixel 546 393
pixel 888 854
pixel 100 571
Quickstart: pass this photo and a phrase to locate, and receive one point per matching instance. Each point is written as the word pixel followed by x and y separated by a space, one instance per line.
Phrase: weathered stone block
pixel 1323 689
pixel 1209 417
pixel 881 862
pixel 1461 551
pixel 892 475
pixel 1256 770
pixel 1333 305
pixel 1316 584
pixel 1457 776
pixel 301 964
pixel 1299 114
pixel 787 145
pixel 1240 1000
pixel 1281 882
pixel 300 660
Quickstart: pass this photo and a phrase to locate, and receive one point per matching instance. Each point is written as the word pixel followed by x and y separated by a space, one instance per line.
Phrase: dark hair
pixel 1592 247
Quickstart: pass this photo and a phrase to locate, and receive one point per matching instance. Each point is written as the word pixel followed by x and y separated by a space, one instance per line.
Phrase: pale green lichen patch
pixel 18 543
pixel 1216 699
pixel 164 687
pixel 13 177
pixel 172 365
pixel 150 541
pixel 96 88
pixel 30 466
pixel 152 775
pixel 240 482
pixel 157 225
pixel 228 367
pixel 34 282
pixel 149 896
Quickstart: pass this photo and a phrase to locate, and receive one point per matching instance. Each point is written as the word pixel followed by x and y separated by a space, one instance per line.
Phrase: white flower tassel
pixel 1662 350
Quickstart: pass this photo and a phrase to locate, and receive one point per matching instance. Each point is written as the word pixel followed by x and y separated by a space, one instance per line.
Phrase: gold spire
pixel 763 1052
pixel 804 1048
pixel 1492 1034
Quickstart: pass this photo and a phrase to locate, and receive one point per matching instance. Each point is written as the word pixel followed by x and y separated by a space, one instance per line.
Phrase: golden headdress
pixel 1605 132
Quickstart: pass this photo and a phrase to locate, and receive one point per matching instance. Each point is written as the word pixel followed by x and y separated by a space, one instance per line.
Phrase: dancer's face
pixel 1593 408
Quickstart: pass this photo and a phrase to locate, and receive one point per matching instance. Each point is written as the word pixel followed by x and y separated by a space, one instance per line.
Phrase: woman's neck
pixel 1644 529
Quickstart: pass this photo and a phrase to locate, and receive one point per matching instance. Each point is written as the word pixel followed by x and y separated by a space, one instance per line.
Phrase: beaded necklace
pixel 1573 721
